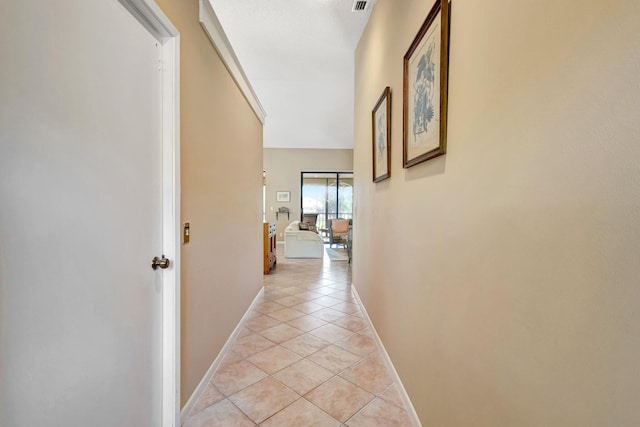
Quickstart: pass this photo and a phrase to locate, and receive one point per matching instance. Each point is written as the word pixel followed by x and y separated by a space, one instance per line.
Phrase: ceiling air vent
pixel 360 5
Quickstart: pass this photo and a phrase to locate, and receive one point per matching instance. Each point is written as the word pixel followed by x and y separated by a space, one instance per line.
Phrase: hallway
pixel 305 356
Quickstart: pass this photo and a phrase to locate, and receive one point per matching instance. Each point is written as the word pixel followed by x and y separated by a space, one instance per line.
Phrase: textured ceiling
pixel 298 56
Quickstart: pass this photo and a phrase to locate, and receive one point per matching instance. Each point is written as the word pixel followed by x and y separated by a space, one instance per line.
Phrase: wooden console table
pixel 269 236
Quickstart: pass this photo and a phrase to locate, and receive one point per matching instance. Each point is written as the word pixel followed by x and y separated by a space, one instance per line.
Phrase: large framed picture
pixel 426 65
pixel 381 136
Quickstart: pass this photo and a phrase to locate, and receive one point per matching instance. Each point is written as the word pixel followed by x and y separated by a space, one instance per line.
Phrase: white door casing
pixel 151 17
pixel 89 127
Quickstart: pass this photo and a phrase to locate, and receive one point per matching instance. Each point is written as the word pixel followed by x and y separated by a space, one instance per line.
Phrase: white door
pixel 80 216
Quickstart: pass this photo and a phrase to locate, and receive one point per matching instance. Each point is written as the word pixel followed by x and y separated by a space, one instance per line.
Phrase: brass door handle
pixel 159 262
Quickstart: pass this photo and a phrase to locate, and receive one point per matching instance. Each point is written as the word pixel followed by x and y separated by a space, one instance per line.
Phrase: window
pixel 327 194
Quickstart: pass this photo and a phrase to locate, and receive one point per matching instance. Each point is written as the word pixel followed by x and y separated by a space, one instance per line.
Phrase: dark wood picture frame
pixel 425 85
pixel 381 136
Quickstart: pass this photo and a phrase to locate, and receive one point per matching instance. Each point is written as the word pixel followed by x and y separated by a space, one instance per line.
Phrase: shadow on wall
pixel 435 167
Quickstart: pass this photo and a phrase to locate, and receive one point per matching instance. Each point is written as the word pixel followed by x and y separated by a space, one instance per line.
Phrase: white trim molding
pixel 149 14
pixel 220 42
pixel 415 421
pixel 171 231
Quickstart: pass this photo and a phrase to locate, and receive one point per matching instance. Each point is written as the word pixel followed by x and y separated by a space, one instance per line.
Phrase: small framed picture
pixel 381 136
pixel 283 196
pixel 426 67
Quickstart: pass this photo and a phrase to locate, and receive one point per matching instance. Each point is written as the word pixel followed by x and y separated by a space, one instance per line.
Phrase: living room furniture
pixel 282 210
pixel 269 237
pixel 310 218
pixel 302 243
pixel 324 232
pixel 338 229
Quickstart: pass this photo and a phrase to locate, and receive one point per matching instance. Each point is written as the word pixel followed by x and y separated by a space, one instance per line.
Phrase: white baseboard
pixel 415 421
pixel 186 410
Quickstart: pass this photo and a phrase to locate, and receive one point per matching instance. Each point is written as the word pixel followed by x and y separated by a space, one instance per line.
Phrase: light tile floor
pixel 305 356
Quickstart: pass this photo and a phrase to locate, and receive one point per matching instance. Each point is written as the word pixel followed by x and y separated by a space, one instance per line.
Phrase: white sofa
pixel 301 243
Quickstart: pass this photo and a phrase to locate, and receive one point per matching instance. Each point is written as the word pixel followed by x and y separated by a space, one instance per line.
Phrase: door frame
pixel 150 16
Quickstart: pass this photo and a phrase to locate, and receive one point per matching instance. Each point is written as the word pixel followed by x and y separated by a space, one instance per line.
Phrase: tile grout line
pixel 339 374
pixel 334 375
pixel 289 290
pixel 300 396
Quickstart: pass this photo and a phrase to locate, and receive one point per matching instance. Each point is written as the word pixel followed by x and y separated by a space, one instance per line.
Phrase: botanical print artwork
pixel 381 140
pixel 424 89
pixel 424 93
pixel 381 136
pixel 425 80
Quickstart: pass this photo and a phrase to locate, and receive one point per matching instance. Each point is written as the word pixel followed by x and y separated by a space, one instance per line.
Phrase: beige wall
pixel 503 277
pixel 221 198
pixel 283 168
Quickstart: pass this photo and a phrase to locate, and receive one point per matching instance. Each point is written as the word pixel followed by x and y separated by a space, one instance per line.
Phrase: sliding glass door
pixel 328 195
